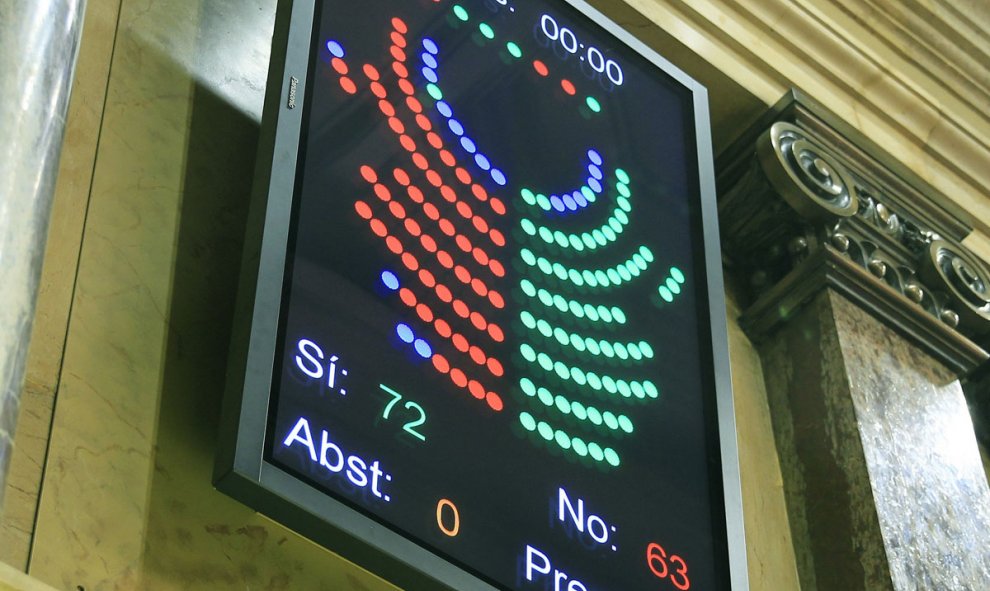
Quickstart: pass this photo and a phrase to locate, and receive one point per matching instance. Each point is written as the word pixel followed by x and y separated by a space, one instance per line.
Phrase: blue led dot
pixel 335 48
pixel 431 46
pixel 405 333
pixel 455 126
pixel 595 171
pixel 468 145
pixel 429 60
pixel 579 198
pixel 430 74
pixel 482 161
pixel 498 176
pixel 595 185
pixel 569 203
pixel 557 203
pixel 423 348
pixel 390 280
pixel 595 157
pixel 444 109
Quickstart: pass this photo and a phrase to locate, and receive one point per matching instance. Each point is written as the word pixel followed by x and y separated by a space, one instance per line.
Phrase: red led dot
pixel 398 39
pixel 379 228
pixel 382 191
pixel 348 85
pixel 397 53
pixel 447 158
pixel 401 176
pixel 461 309
pixel 476 389
pixel 457 376
pixel 479 192
pixel 415 194
pixel 463 175
pixel 477 355
pixel 464 209
pixel 460 343
pixel 386 107
pixel 497 206
pixel 462 274
pixel 399 25
pixel 412 226
pixel 339 65
pixel 479 287
pixel 407 143
pixel 480 224
pixel 402 73
pixel 410 261
pixel 434 140
pixel 445 259
pixel 423 122
pixel 420 161
pixel 407 296
pixel 428 243
pixel 406 86
pixel 441 363
pixel 369 174
pixel 478 321
pixel 433 177
pixel 446 227
pixel 370 72
pixel 568 86
pixel 393 244
pixel 497 237
pixel 463 243
pixel 397 210
pixel 396 125
pixel 494 401
pixel 447 193
pixel 496 268
pixel 431 211
pixel 424 312
pixel 495 366
pixel 427 278
pixel 414 105
pixel 480 256
pixel 540 68
pixel 443 292
pixel 378 90
pixel 496 333
pixel 496 299
pixel 442 328
pixel 362 209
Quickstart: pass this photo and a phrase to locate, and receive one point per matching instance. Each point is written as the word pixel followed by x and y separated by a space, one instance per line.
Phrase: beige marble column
pixel 866 310
pixel 39 41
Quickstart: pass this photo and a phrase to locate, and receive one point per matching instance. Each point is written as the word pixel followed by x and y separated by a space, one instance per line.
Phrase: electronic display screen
pixel 493 336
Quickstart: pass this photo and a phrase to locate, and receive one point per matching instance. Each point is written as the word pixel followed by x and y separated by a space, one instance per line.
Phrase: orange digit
pixel 682 584
pixel 655 554
pixel 450 531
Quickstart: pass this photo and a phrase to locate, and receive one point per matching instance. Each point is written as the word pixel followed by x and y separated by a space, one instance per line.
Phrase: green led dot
pixel 544 265
pixel 528 287
pixel 673 286
pixel 527 319
pixel 634 351
pixel 528 256
pixel 545 362
pixel 527 352
pixel 579 446
pixel 559 270
pixel 620 351
pixel 560 302
pixel 596 451
pixel 609 384
pixel 639 261
pixel 599 237
pixel 588 240
pixel 665 294
pixel 624 389
pixel 528 226
pixel 579 411
pixel 613 278
pixel 528 196
pixel 604 313
pixel 575 276
pixel 621 175
pixel 546 234
pixel 623 189
pixel 561 335
pixel 545 396
pixel 434 91
pixel 647 349
pixel 593 104
pixel 563 439
pixel 638 390
pixel 543 202
pixel 486 30
pixel 619 315
pixel 544 327
pixel 591 312
pixel 560 238
pixel 623 273
pixel 514 50
pixel 528 386
pixel 592 346
pixel 562 371
pixel 623 203
pixel 615 225
pixel 677 275
pixel 588 193
pixel 625 424
pixel 576 308
pixel 594 381
pixel 606 348
pixel 575 241
pixel 646 253
pixel 546 431
pixel 601 277
pixel 460 12
pixel 611 457
pixel 545 297
pixel 594 415
pixel 527 420
pixel 611 421
pixel 562 405
pixel 577 342
pixel 589 278
pixel 651 390
pixel 632 268
pixel 578 376
pixel 622 217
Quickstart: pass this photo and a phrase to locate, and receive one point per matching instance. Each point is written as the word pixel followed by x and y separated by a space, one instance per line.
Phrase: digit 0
pixel 456 527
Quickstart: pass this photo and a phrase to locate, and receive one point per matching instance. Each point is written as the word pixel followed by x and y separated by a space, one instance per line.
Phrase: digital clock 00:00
pixel 592 55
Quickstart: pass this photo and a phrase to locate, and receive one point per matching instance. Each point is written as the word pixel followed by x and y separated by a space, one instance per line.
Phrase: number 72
pixel 409 427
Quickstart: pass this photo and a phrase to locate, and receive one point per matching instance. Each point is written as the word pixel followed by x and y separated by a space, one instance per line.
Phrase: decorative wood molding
pixel 804 206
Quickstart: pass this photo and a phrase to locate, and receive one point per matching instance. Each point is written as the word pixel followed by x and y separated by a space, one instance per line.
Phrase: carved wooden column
pixel 867 310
